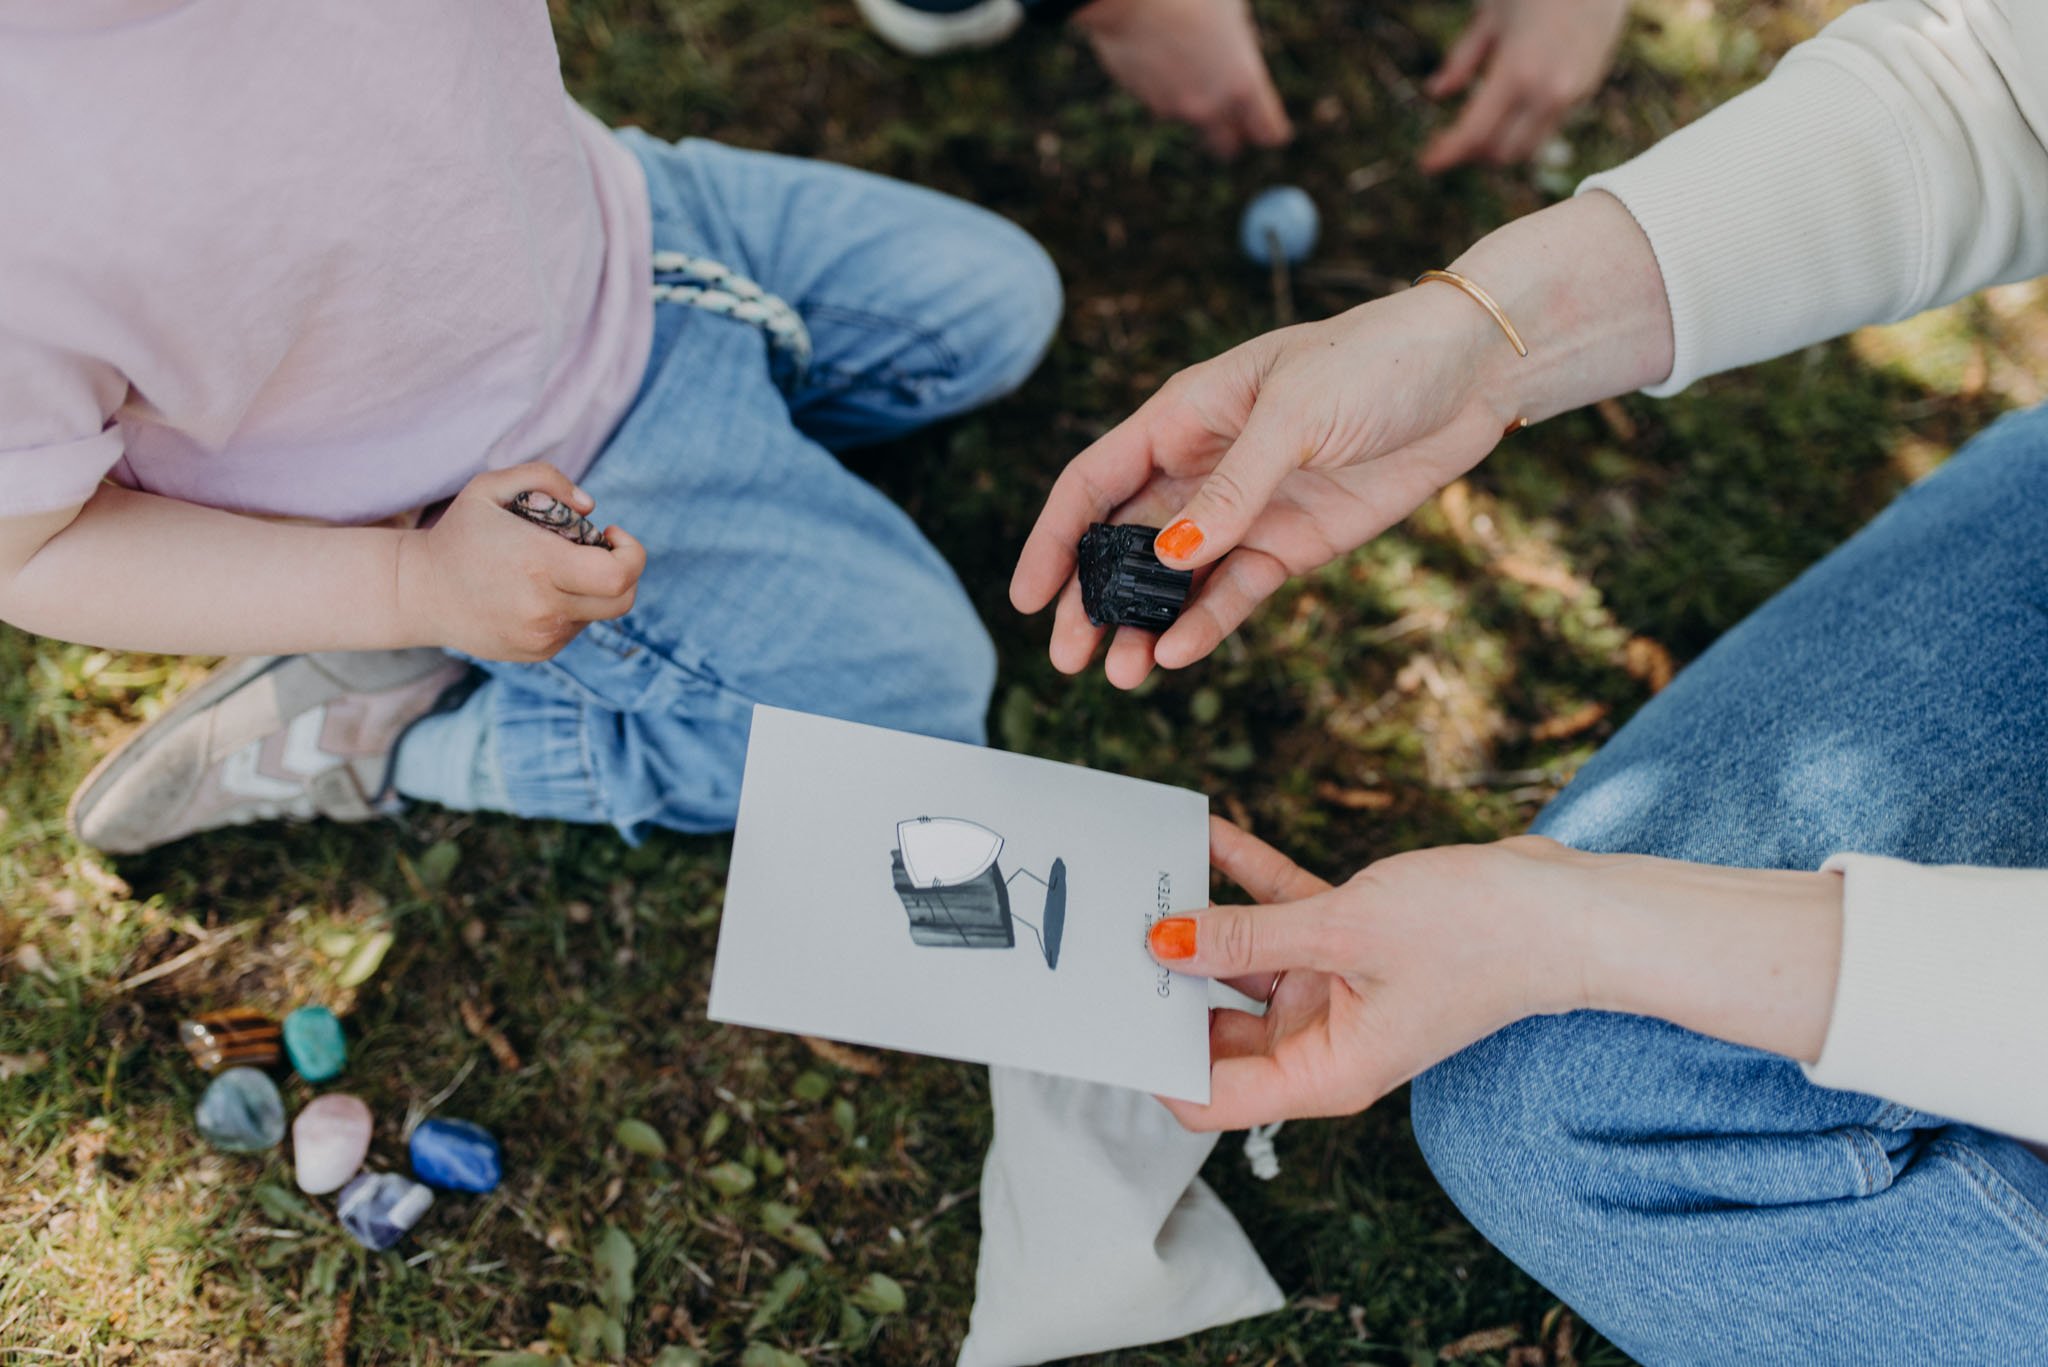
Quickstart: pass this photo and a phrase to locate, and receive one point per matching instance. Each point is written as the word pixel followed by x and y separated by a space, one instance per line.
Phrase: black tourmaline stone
pixel 1122 582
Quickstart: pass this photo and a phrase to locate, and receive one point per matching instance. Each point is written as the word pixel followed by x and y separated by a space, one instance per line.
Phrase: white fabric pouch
pixel 1096 1232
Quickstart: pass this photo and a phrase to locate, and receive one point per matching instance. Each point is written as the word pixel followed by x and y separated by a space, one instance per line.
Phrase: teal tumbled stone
pixel 241 1112
pixel 314 1043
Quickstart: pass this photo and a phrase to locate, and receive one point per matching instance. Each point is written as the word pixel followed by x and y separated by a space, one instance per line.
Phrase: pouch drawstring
pixel 715 288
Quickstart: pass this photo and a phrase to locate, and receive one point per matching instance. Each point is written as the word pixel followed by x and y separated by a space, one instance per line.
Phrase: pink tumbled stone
pixel 330 1139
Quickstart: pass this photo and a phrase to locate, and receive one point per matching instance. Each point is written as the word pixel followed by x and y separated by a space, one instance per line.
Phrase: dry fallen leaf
pixel 1355 799
pixel 840 1056
pixel 479 1025
pixel 21 1065
pixel 1484 1341
pixel 1455 501
pixel 1527 569
pixel 1644 659
pixel 337 1329
pixel 1569 724
pixel 1240 815
pixel 1617 419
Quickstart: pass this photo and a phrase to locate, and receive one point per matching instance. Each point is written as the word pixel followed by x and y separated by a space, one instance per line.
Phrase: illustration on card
pixel 957 897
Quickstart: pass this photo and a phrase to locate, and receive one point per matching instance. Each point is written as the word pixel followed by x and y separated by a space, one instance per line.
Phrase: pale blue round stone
pixel 1284 215
pixel 241 1112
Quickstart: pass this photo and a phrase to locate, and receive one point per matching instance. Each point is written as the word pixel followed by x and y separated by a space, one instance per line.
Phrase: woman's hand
pixel 1270 460
pixel 1424 953
pixel 1197 61
pixel 1541 58
pixel 490 584
pixel 1299 446
pixel 1409 962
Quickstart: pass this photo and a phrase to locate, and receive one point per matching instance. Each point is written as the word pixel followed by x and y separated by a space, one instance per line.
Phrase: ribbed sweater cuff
pixel 1942 999
pixel 1791 214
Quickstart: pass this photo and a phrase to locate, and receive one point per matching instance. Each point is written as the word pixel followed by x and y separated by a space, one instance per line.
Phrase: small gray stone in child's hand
pixel 543 510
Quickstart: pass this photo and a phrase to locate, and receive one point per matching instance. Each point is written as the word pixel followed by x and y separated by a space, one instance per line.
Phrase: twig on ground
pixel 211 942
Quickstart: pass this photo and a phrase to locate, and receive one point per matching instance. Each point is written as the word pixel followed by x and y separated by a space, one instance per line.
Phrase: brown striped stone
pixel 227 1039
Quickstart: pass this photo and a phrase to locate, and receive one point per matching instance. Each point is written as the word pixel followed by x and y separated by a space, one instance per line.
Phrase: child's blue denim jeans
pixel 774 575
pixel 1702 1202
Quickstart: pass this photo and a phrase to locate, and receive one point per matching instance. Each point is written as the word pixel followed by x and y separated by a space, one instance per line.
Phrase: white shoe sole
pixel 919 33
pixel 227 679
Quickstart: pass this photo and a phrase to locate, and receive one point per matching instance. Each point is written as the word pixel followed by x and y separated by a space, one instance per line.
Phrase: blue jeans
pixel 1702 1202
pixel 774 575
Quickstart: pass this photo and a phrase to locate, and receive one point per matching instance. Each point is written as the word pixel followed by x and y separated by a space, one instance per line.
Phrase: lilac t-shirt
pixel 324 260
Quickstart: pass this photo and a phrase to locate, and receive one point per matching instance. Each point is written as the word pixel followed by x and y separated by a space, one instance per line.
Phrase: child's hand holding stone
pixel 490 585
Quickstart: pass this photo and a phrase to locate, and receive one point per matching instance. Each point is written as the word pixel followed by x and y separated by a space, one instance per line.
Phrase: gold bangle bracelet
pixel 1483 299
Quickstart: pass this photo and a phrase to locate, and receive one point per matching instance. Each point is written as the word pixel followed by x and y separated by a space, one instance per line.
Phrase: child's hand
pixel 489 584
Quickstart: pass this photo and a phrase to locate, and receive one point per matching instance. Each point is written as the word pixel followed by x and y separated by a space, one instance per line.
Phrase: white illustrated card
pixel 917 894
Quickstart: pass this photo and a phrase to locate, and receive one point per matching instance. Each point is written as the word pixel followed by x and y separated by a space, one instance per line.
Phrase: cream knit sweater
pixel 1896 162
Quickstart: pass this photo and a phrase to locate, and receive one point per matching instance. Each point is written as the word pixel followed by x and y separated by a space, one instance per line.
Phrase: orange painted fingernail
pixel 1180 541
pixel 1173 938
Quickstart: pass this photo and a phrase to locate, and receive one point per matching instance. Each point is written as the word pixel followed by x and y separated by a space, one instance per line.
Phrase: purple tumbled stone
pixel 379 1207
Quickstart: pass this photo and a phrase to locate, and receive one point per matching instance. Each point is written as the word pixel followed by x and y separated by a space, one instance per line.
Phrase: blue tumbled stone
pixel 456 1155
pixel 314 1043
pixel 241 1112
pixel 377 1208
pixel 1284 214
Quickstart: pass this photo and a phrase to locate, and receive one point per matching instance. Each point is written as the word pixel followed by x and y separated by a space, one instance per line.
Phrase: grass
pixel 1436 686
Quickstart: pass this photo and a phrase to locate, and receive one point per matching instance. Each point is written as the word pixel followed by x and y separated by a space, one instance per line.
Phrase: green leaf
pixel 771 1163
pixel 1233 757
pixel 520 1360
pixel 715 1128
pixel 613 1336
pixel 642 1138
pixel 1205 706
pixel 805 1239
pixel 590 1327
pixel 615 1260
pixel 325 1272
pixel 853 1325
pixel 437 862
pixel 730 1179
pixel 844 1116
pixel 776 1217
pixel 880 1295
pixel 781 1292
pixel 287 1207
pixel 676 1355
pixel 763 1355
pixel 367 958
pixel 812 1087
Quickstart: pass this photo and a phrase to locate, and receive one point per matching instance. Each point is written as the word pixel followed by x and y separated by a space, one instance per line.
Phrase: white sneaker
pixel 281 737
pixel 930 28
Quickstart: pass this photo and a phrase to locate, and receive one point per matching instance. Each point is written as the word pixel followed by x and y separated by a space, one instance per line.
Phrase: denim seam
pixel 1870 1158
pixel 577 751
pixel 949 362
pixel 2025 1219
